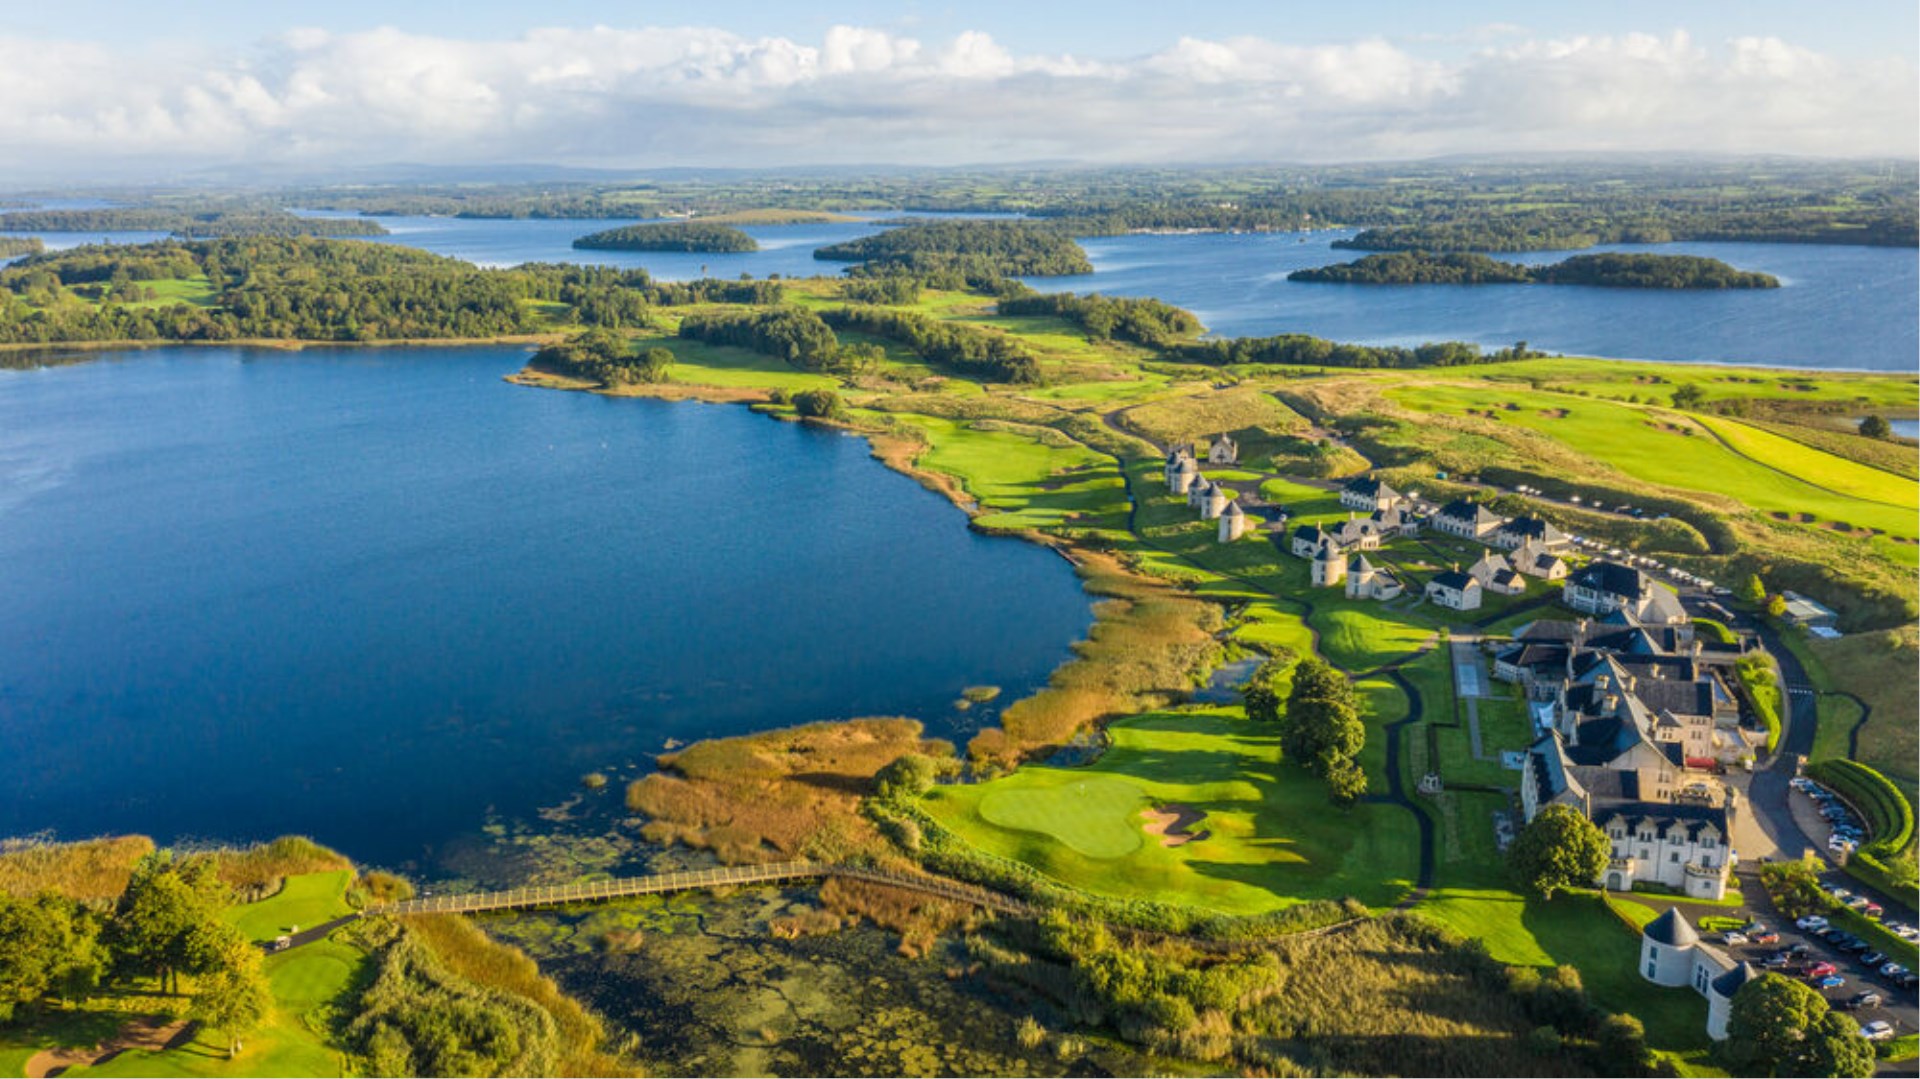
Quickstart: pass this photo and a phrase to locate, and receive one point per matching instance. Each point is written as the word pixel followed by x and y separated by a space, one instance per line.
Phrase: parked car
pixel 1820 969
pixel 1874 911
pixel 1877 1031
pixel 1777 961
pixel 1892 970
pixel 1831 981
pixel 1859 902
pixel 1873 959
pixel 1868 999
pixel 1733 937
pixel 1766 936
pixel 1811 921
pixel 1908 980
pixel 1837 892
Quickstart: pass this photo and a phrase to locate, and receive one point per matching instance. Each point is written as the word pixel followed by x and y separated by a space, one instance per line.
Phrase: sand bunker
pixel 1174 824
pixel 151 1032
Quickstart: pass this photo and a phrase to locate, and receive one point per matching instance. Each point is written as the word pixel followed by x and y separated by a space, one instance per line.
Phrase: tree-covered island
pixel 688 236
pixel 1608 270
pixel 991 248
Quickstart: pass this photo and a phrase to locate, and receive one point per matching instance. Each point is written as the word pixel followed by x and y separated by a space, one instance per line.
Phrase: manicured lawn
pixel 1095 815
pixel 305 901
pixel 1031 482
pixel 1829 471
pixel 1274 841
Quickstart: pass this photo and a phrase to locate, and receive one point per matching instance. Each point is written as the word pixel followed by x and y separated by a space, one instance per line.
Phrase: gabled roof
pixel 1469 511
pixel 1456 581
pixel 1665 818
pixel 1369 487
pixel 1507 578
pixel 1490 562
pixel 1671 929
pixel 1729 983
pixel 1312 533
pixel 1533 528
pixel 1611 578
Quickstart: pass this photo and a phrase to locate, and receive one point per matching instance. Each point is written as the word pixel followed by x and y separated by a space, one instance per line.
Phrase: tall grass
pixel 92 869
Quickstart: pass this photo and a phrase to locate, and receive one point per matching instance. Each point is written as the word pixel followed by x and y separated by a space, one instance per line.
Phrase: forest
pixel 14 246
pixel 197 224
pixel 1000 248
pixel 1609 270
pixel 693 236
pixel 975 352
pixel 1294 349
pixel 1153 323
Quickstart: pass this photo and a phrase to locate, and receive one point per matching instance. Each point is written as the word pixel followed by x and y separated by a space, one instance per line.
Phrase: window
pixel 1706 841
pixel 1651 965
pixel 1676 858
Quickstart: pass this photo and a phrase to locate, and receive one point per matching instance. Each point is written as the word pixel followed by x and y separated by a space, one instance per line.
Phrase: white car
pixel 1732 936
pixel 1812 922
pixel 1877 1031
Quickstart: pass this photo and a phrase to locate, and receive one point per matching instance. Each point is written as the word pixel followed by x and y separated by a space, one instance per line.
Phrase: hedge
pixel 1889 816
pixel 1763 692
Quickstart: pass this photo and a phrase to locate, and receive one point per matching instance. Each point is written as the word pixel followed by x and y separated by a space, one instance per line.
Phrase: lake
pixel 1838 307
pixel 373 595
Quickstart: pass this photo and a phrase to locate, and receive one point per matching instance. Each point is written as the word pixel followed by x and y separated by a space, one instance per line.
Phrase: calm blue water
pixel 369 595
pixel 1855 307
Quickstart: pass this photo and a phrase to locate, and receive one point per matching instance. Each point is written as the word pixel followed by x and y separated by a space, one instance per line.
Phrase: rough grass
pixel 1880 668
pixel 781 794
pixel 1274 839
pixel 477 957
pixel 88 869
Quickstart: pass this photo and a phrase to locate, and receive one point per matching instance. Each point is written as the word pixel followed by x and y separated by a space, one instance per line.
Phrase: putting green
pixel 1094 816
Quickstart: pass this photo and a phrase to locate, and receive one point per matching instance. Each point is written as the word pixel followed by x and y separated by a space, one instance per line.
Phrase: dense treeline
pixel 675 236
pixel 1299 349
pixel 12 246
pixel 1610 270
pixel 1179 218
pixel 1564 230
pixel 793 334
pixel 187 225
pixel 897 289
pixel 1002 248
pixel 323 290
pixel 975 352
pixel 603 356
pixel 1142 321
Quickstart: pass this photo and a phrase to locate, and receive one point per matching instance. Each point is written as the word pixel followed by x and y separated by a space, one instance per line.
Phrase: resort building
pixel 1365 495
pixel 1233 522
pixel 1467 519
pixel 1522 530
pixel 1214 502
pixel 1672 954
pixel 1367 581
pixel 1802 611
pixel 1223 452
pixel 1392 522
pixel 1182 476
pixel 1606 587
pixel 1329 566
pixel 1308 539
pixel 1535 560
pixel 1495 575
pixel 1455 590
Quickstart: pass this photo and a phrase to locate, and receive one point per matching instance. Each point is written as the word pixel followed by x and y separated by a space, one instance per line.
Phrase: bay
pixel 375 595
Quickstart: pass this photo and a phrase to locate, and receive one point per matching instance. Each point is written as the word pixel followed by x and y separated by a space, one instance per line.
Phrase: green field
pixel 288 1044
pixel 1274 841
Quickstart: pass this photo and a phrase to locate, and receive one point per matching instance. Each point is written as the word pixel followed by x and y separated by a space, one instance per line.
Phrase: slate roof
pixel 1729 983
pixel 1665 817
pixel 1233 509
pixel 1612 578
pixel 1535 529
pixel 1368 487
pixel 1671 929
pixel 1455 580
pixel 1470 512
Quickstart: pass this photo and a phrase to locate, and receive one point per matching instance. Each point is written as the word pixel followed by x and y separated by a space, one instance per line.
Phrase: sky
pixel 99 89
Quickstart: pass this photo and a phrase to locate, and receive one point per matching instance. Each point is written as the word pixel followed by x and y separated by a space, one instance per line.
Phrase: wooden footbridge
pixel 600 891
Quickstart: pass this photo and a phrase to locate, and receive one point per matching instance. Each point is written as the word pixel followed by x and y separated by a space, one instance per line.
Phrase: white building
pixel 1672 954
pixel 1606 587
pixel 1467 519
pixel 1455 590
pixel 1368 581
pixel 1233 522
pixel 1223 452
pixel 1366 495
pixel 1329 566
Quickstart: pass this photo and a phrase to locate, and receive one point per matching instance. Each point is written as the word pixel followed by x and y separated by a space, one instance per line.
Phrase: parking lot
pixel 1797 951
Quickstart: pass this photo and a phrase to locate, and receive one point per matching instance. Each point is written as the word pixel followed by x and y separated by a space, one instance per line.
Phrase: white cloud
pixel 693 95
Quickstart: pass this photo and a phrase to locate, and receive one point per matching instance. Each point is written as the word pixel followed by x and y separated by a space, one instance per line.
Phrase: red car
pixel 1820 970
pixel 1766 936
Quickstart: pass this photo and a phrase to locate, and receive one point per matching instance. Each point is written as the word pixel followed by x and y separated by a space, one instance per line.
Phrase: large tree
pixel 1322 723
pixel 1776 1026
pixel 167 921
pixel 1559 848
pixel 232 996
pixel 48 947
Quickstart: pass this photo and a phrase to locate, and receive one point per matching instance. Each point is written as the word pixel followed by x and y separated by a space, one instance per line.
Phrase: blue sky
pixel 117 88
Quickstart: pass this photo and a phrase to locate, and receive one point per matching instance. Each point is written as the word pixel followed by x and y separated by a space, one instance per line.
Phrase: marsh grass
pixel 91 869
pixel 781 794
